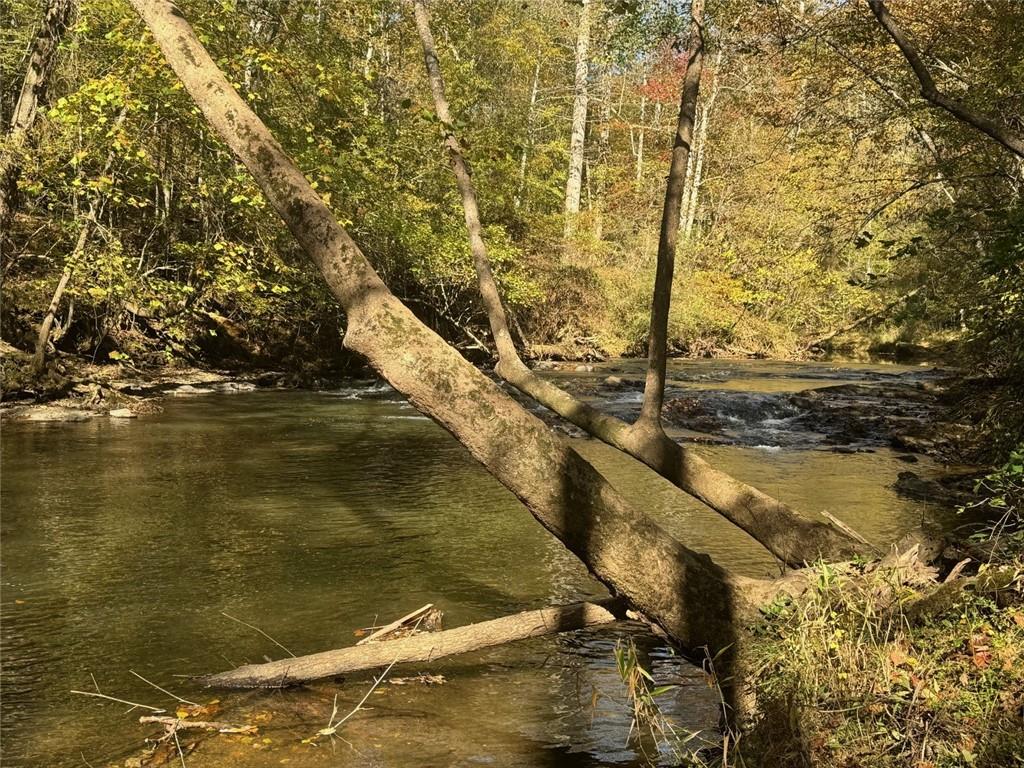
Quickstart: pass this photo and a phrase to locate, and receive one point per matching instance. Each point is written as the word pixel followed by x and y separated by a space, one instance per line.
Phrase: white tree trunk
pixel 579 121
pixel 528 144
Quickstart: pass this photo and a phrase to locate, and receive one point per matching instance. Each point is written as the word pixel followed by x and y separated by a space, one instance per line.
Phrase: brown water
pixel 313 514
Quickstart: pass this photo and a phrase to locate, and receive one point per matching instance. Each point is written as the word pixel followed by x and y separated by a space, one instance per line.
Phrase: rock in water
pixel 122 413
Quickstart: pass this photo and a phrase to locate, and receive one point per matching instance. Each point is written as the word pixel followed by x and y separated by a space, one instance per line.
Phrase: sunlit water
pixel 313 514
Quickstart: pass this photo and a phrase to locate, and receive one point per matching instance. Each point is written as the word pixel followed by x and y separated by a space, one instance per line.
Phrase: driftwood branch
pixel 177 724
pixel 420 647
pixel 930 91
pixel 389 629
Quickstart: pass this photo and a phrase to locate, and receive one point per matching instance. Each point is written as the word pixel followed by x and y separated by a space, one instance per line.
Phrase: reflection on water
pixel 312 514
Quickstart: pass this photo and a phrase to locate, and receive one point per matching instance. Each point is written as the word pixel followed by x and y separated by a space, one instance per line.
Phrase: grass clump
pixel 852 674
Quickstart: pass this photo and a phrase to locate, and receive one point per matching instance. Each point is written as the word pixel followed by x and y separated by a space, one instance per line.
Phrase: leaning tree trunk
pixel 577 138
pixel 33 92
pixel 45 327
pixel 783 531
pixel 695 601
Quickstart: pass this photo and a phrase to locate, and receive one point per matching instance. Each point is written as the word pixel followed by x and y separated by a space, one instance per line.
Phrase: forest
pixel 659 362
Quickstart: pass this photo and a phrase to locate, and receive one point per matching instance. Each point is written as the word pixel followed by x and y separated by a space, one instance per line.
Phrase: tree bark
pixel 601 164
pixel 43 337
pixel 33 92
pixel 657 342
pixel 783 531
pixel 423 647
pixel 695 601
pixel 481 263
pixel 640 137
pixel 579 120
pixel 930 92
pixel 694 179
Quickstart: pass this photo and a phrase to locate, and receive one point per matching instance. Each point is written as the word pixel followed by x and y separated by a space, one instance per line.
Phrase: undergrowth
pixel 845 677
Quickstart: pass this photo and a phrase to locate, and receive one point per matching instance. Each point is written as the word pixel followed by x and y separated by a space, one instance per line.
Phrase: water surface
pixel 314 514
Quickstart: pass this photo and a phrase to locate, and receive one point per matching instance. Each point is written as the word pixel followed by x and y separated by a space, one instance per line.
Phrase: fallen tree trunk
pixel 424 647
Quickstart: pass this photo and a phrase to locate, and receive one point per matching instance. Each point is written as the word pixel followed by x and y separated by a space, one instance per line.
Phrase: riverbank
pixel 907 410
pixel 75 389
pixel 919 672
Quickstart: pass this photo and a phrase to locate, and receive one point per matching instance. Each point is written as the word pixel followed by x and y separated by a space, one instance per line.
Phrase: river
pixel 312 514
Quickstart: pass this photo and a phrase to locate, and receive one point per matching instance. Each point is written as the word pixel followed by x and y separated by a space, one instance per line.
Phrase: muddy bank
pixel 75 389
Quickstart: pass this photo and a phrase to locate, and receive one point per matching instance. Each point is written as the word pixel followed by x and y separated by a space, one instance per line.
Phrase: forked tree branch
pixel 930 91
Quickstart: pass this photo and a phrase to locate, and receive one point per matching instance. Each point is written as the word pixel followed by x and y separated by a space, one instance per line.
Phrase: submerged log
pixel 422 647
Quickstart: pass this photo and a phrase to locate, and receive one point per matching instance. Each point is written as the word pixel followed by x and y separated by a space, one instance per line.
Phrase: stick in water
pixel 119 701
pixel 164 690
pixel 250 626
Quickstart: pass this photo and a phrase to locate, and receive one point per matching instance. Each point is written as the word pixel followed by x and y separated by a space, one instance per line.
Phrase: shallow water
pixel 313 514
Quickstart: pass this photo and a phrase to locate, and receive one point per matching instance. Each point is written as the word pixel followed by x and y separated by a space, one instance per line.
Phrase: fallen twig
pixel 332 727
pixel 119 701
pixel 204 725
pixel 394 625
pixel 164 690
pixel 252 626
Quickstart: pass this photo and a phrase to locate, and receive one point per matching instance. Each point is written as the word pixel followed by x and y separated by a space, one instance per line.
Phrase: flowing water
pixel 312 514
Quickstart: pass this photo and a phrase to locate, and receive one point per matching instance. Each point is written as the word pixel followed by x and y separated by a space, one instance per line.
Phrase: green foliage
pixel 1001 495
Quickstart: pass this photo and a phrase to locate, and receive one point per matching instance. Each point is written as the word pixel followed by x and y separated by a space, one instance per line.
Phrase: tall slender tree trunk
pixel 696 173
pixel 577 138
pixel 46 326
pixel 787 534
pixel 657 346
pixel 640 137
pixel 481 263
pixel 34 86
pixel 528 143
pixel 603 136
